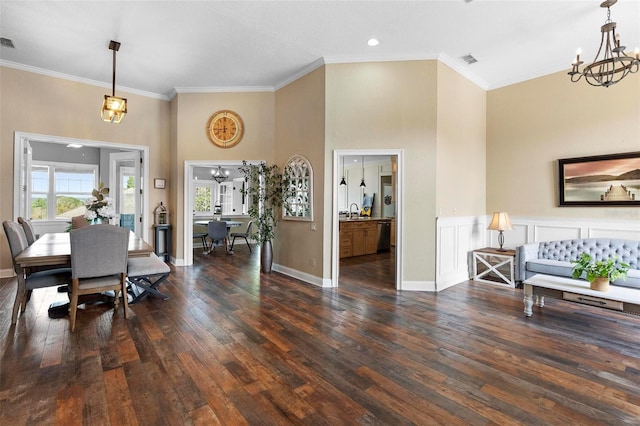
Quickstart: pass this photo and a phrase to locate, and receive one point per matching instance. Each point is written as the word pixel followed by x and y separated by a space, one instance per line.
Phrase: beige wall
pixel 190 142
pixel 34 103
pixel 461 166
pixel 299 115
pixel 423 107
pixel 533 124
pixel 389 105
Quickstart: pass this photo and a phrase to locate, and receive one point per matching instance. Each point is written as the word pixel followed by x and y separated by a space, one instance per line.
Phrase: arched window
pixel 298 203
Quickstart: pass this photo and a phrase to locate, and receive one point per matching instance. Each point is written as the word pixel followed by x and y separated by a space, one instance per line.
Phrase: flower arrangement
pixel 99 207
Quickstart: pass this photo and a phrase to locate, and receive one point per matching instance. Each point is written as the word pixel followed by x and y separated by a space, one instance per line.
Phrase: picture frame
pixel 159 183
pixel 602 180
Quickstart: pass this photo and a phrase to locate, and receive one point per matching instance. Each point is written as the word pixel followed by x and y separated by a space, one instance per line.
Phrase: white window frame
pixel 51 195
pixel 212 201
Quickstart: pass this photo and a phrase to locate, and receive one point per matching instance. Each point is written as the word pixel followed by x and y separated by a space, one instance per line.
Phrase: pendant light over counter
pixel 343 182
pixel 362 184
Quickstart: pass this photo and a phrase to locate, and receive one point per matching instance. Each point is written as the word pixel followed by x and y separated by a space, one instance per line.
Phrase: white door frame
pixel 115 182
pixel 335 248
pixel 187 243
pixel 21 139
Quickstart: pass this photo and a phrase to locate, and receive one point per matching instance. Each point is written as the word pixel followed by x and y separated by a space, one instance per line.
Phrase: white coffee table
pixel 540 286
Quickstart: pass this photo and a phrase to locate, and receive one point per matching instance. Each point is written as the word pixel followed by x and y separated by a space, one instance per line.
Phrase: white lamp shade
pixel 500 222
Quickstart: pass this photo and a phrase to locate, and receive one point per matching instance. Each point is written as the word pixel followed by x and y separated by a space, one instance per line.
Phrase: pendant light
pixel 219 175
pixel 343 181
pixel 113 108
pixel 362 184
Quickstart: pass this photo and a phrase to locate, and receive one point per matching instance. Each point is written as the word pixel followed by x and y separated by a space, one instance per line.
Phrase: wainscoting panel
pixel 457 236
pixel 614 233
pixel 552 233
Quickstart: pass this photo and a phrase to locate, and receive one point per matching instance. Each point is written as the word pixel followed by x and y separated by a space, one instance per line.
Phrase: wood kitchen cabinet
pixel 346 238
pixel 358 238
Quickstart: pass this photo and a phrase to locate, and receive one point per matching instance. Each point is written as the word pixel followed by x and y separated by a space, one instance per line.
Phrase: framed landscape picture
pixel 603 180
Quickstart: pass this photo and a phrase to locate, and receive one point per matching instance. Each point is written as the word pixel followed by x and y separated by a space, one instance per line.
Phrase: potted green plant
pixel 265 191
pixel 599 272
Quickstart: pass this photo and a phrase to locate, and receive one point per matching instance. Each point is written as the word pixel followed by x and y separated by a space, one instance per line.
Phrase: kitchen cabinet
pixel 346 238
pixel 358 238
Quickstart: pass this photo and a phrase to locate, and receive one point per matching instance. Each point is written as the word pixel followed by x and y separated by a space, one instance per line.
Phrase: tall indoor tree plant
pixel 265 191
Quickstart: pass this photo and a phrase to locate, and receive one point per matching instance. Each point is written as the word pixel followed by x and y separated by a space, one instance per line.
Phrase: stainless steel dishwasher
pixel 384 235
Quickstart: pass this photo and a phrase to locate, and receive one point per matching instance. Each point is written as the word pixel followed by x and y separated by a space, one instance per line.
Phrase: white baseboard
pixel 7 273
pixel 302 276
pixel 446 281
pixel 418 286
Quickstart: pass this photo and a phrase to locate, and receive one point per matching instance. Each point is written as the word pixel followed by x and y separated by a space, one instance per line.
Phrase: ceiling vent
pixel 469 59
pixel 6 42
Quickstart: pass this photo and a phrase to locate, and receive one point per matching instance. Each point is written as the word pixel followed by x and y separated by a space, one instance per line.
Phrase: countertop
pixel 365 219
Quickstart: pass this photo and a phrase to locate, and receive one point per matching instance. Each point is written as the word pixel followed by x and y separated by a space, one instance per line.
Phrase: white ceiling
pixel 201 46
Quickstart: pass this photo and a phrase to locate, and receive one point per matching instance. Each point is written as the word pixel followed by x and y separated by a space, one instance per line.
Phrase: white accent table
pixel 494 266
pixel 622 299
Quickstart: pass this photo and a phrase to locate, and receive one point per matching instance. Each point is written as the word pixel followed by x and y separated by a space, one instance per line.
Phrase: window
pixel 215 198
pixel 60 190
pixel 203 200
pixel 298 203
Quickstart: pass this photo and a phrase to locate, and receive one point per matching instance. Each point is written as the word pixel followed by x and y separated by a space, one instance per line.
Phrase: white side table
pixel 493 266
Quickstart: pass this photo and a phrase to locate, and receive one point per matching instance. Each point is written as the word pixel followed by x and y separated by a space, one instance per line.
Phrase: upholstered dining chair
pixel 203 237
pixel 217 231
pixel 78 222
pixel 29 232
pixel 29 281
pixel 99 256
pixel 244 235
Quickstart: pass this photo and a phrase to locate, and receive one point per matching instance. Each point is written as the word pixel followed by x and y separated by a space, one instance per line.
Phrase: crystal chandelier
pixel 614 64
pixel 219 175
pixel 113 108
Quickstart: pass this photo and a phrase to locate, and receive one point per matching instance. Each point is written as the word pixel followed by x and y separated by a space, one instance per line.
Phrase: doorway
pixel 383 188
pixel 231 196
pixel 72 150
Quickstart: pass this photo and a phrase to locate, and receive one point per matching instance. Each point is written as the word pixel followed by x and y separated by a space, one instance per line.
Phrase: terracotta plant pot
pixel 600 284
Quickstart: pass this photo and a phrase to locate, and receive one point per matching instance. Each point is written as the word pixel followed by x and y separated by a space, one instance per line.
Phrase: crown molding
pixel 87 81
pixel 460 68
pixel 304 71
pixel 223 89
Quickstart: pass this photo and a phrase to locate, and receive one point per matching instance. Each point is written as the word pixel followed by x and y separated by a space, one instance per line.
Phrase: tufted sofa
pixel 554 257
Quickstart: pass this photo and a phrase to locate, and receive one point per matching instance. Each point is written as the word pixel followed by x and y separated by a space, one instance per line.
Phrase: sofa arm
pixel 525 253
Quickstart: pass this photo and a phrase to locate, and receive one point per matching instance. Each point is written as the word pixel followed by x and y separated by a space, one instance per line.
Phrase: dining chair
pixel 146 273
pixel 98 263
pixel 217 231
pixel 244 235
pixel 29 281
pixel 78 222
pixel 29 232
pixel 203 237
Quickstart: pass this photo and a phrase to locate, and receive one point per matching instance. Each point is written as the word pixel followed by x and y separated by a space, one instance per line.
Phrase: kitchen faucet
pixel 357 209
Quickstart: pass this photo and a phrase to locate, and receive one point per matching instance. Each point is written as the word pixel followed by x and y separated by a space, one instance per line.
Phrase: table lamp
pixel 500 222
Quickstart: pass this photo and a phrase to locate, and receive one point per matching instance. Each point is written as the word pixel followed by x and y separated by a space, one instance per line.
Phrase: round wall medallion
pixel 225 128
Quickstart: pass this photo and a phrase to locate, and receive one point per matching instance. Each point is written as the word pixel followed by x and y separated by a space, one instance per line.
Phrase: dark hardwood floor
pixel 232 346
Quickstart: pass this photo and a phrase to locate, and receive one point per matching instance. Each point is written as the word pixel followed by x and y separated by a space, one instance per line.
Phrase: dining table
pixel 230 224
pixel 54 249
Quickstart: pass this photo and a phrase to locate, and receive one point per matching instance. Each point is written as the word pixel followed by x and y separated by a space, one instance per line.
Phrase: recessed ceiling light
pixel 373 42
pixel 74 145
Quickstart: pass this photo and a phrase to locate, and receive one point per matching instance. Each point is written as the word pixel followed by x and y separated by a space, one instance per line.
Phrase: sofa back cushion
pixel 627 251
